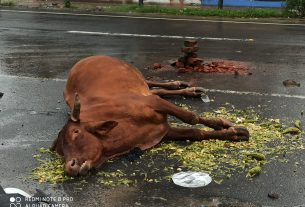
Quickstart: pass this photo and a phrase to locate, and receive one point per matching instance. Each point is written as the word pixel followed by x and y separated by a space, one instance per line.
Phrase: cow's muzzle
pixel 74 167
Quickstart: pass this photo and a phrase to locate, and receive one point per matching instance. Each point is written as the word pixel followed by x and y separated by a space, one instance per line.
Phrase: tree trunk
pixel 141 2
pixel 220 4
pixel 181 3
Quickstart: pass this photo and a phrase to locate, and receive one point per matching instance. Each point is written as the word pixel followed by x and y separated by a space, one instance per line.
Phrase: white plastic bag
pixel 191 179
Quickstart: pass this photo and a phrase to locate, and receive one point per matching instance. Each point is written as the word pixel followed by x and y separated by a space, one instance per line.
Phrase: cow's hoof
pixel 194 91
pixel 242 134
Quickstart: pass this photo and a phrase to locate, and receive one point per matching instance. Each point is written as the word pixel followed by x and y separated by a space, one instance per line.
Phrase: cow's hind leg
pixel 171 85
pixel 180 88
pixel 232 134
pixel 187 92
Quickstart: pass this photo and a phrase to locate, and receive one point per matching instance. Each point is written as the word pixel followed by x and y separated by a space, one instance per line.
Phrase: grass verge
pixel 7 3
pixel 199 11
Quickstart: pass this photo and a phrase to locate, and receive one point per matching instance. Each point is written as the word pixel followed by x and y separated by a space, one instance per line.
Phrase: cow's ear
pixel 102 128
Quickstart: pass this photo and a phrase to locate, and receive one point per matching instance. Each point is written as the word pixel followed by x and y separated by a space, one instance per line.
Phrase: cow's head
pixel 80 142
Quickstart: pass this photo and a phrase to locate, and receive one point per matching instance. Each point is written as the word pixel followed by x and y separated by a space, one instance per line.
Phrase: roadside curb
pixel 284 21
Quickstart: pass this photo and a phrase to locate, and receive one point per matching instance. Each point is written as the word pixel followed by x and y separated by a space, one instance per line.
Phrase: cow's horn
pixel 76 109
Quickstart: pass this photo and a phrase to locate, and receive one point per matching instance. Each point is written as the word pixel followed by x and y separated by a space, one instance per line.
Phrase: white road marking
pixel 154 18
pixel 32 78
pixel 143 35
pixel 254 93
pixel 249 93
pixel 157 36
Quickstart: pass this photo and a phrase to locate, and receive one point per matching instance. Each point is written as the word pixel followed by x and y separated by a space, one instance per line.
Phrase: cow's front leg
pixel 232 134
pixel 189 117
pixel 171 85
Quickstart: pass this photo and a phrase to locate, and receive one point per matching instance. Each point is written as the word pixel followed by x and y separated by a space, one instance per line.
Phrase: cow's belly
pixel 127 136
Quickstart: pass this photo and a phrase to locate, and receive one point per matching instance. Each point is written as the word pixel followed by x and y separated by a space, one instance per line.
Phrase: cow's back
pixel 101 77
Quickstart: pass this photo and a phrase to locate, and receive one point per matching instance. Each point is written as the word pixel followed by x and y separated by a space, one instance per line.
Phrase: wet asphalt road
pixel 37 51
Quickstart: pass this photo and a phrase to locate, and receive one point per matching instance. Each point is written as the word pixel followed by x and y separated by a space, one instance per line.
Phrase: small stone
pixel 179 64
pixel 172 62
pixel 190 43
pixel 194 55
pixel 291 83
pixel 157 66
pixel 236 74
pixel 189 49
pixel 183 59
pixel 182 70
pixel 194 61
pixel 273 195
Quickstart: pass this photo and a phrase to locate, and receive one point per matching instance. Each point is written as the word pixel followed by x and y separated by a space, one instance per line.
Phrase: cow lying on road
pixel 114 111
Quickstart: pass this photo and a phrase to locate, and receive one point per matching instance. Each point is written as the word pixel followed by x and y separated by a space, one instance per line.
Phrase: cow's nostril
pixel 73 163
pixel 72 167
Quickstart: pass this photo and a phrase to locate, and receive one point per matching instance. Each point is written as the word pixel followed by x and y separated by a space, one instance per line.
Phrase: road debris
pixel 205 98
pixel 190 62
pixel 291 83
pixel 157 66
pixel 292 130
pixel 297 124
pixel 256 155
pixel 269 140
pixel 50 169
pixel 254 171
pixel 191 179
pixel 273 195
pixel 114 178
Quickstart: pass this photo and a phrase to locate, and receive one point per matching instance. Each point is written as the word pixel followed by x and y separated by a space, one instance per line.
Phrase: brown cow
pixel 114 112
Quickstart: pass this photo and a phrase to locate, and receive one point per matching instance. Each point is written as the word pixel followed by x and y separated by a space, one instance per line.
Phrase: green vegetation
pixel 198 11
pixel 114 178
pixel 50 169
pixel 296 8
pixel 270 141
pixel 67 3
pixel 7 3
